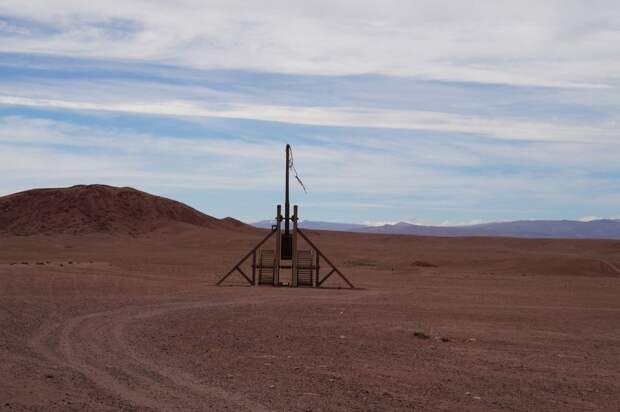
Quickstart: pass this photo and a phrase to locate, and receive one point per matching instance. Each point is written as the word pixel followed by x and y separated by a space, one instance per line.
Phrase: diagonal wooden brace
pixel 334 268
pixel 237 266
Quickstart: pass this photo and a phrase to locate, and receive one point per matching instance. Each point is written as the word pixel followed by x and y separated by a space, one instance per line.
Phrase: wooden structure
pixel 270 259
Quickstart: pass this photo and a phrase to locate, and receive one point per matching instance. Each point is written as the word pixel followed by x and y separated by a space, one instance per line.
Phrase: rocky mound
pixel 96 209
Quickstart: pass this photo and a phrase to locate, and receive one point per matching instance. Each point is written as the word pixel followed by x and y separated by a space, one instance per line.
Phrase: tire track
pixel 94 345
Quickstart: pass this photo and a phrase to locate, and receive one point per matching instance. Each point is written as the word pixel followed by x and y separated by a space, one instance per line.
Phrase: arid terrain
pixel 114 316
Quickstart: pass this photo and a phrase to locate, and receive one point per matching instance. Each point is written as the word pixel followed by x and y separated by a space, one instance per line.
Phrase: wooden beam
pixel 294 260
pixel 254 268
pixel 243 274
pixel 276 269
pixel 219 282
pixel 315 276
pixel 325 278
pixel 326 259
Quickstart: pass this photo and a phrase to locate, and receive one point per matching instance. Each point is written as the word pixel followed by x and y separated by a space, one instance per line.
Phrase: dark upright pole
pixel 287 206
pixel 287 239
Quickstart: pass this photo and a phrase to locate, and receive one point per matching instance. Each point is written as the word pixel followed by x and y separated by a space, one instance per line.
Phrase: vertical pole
pixel 276 270
pixel 294 262
pixel 286 252
pixel 315 280
pixel 254 282
pixel 287 206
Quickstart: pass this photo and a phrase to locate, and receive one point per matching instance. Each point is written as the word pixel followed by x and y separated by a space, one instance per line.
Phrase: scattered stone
pixel 49 376
pixel 446 340
pixel 272 386
pixel 421 335
pixel 342 337
pixel 24 263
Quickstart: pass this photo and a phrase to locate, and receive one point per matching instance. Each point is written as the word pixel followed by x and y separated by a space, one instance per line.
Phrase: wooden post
pixel 236 267
pixel 294 262
pixel 276 270
pixel 334 268
pixel 315 278
pixel 254 280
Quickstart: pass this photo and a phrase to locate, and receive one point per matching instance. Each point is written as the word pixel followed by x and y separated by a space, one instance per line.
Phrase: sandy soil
pixel 103 322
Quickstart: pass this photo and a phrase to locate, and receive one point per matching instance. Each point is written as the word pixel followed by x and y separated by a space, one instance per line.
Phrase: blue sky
pixel 427 112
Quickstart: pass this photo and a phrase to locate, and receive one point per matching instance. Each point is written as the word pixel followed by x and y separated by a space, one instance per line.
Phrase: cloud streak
pixel 549 44
pixel 350 117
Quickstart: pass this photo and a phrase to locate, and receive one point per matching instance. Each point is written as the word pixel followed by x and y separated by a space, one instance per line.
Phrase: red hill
pixel 97 209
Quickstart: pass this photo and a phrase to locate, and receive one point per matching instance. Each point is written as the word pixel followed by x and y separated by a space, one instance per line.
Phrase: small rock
pixel 272 386
pixel 477 398
pixel 421 335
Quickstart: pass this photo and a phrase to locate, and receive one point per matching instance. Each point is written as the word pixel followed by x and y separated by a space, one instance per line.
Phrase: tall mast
pixel 287 206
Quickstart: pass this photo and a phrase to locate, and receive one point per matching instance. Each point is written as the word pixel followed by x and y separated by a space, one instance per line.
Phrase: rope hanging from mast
pixel 291 166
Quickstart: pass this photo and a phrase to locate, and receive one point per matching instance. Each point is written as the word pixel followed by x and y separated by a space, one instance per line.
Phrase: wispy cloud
pixel 349 117
pixel 553 43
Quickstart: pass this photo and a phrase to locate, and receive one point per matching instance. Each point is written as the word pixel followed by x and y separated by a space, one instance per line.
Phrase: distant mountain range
pixel 566 229
pixel 317 225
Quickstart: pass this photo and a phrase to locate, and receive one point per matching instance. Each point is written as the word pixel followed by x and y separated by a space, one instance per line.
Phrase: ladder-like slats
pixel 267 268
pixel 305 267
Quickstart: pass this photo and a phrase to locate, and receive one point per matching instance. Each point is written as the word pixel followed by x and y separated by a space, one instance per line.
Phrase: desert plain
pixel 107 319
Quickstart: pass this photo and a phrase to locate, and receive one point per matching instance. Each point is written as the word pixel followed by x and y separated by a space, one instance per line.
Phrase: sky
pixel 430 112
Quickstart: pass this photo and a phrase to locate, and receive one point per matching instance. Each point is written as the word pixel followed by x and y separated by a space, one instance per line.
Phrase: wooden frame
pixel 277 231
pixel 252 253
